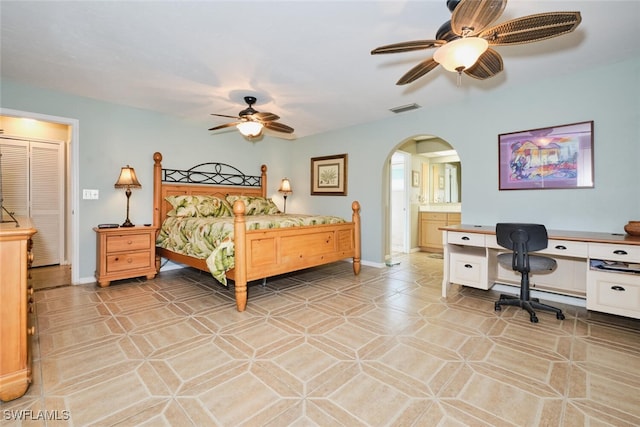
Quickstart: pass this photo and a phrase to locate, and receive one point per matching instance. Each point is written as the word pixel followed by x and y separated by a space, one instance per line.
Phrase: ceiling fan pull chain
pixel 459 78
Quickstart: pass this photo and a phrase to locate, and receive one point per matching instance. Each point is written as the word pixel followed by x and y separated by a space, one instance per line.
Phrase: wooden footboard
pixel 266 253
pixel 263 253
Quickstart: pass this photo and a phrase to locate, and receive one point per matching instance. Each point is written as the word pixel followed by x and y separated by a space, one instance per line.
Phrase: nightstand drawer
pixel 128 261
pixel 128 242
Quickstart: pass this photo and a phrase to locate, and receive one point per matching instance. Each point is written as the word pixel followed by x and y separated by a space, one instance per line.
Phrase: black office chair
pixel 522 239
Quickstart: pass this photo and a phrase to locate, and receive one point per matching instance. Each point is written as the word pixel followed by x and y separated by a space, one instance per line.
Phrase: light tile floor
pixel 322 348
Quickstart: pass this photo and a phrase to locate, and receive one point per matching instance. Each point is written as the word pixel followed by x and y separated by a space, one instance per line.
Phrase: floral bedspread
pixel 211 238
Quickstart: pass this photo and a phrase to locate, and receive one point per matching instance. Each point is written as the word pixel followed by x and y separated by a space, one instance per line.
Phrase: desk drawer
pixel 469 270
pixel 555 247
pixel 614 293
pixel 604 251
pixel 468 239
pixel 566 248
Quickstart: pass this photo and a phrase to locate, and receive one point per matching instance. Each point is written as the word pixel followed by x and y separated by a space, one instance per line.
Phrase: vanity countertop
pixel 448 207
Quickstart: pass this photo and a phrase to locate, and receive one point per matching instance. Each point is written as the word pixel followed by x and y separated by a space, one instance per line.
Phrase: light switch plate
pixel 89 194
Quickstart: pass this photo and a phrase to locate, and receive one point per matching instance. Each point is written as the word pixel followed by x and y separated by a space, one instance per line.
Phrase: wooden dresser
pixel 125 252
pixel 16 300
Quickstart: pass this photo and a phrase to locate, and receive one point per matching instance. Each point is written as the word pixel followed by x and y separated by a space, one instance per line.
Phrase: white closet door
pixel 15 177
pixel 47 202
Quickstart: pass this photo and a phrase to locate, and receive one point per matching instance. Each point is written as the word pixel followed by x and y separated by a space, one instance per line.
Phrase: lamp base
pixel 127 223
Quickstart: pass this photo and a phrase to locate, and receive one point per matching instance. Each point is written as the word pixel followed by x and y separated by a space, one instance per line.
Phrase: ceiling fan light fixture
pixel 250 129
pixel 460 54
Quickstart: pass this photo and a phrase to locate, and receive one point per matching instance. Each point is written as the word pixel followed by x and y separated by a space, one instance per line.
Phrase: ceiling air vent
pixel 404 108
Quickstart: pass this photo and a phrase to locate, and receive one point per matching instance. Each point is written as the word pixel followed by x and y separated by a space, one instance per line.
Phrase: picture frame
pixel 329 175
pixel 415 179
pixel 547 158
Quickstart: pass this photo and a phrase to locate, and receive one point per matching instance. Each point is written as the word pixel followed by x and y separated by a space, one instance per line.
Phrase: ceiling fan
pixel 463 42
pixel 251 122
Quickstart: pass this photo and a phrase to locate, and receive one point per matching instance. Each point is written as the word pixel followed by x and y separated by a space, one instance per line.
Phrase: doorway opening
pixel 415 185
pixel 37 126
pixel 400 165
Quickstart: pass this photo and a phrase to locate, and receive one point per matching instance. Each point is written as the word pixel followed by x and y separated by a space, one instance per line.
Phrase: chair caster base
pixel 527 304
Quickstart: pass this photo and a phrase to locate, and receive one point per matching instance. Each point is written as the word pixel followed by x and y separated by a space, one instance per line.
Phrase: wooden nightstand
pixel 125 252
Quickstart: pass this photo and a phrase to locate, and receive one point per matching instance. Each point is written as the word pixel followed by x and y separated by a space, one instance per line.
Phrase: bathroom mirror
pixel 441 171
pixel 444 181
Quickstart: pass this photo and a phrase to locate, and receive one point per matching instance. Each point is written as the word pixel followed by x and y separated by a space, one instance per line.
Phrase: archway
pixel 429 154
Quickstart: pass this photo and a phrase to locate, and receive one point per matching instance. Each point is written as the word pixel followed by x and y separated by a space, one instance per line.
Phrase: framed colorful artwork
pixel 329 175
pixel 547 158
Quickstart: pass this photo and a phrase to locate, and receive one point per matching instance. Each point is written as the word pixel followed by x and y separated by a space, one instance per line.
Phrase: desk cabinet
pixel 125 252
pixel 614 293
pixel 470 259
pixel 610 291
pixel 16 321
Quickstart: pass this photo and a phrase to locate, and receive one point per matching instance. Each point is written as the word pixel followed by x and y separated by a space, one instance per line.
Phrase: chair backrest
pixel 522 239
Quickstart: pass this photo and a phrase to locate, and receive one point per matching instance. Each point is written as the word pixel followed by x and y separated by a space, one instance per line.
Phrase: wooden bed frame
pixel 258 253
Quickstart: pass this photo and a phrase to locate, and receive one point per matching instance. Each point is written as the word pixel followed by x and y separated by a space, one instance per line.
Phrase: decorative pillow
pixel 255 205
pixel 198 206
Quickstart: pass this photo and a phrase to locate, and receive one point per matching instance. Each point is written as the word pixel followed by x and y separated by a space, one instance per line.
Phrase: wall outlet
pixel 89 194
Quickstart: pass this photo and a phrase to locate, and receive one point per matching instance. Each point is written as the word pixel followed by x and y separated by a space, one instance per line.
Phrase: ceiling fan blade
pixel 265 117
pixel 278 127
pixel 532 28
pixel 475 15
pixel 223 115
pixel 418 71
pixel 488 65
pixel 408 46
pixel 226 125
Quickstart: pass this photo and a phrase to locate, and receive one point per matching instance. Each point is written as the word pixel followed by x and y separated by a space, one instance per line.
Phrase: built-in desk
pixel 470 253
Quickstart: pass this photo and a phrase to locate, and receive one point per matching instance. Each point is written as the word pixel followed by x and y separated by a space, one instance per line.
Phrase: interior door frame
pixel 406 207
pixel 29 143
pixel 73 173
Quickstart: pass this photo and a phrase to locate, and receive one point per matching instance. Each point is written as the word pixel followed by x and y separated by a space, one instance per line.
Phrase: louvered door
pixel 46 199
pixel 33 186
pixel 15 177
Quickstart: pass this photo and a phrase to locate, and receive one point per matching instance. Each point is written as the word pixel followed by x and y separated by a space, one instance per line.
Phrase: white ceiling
pixel 307 61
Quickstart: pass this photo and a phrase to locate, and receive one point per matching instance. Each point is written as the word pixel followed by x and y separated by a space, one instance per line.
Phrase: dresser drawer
pixel 468 239
pixel 625 253
pixel 614 293
pixel 128 242
pixel 128 261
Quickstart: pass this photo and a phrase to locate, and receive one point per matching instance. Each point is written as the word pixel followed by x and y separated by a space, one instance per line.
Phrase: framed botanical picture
pixel 547 158
pixel 415 179
pixel 329 175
